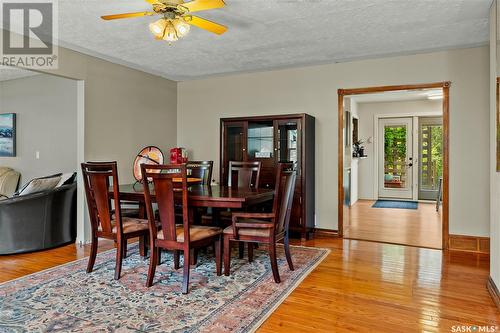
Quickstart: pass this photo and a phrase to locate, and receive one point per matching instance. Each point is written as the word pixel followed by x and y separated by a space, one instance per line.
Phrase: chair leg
pixel 250 252
pixel 143 249
pixel 241 249
pixel 176 259
pixel 93 255
pixel 218 255
pixel 153 261
pixel 194 256
pixel 287 253
pixel 158 262
pixel 185 280
pixel 124 249
pixel 119 258
pixel 227 255
pixel 274 262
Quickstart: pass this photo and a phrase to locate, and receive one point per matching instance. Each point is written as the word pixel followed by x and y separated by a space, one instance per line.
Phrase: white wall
pixel 368 128
pixel 314 90
pixel 495 177
pixel 46 117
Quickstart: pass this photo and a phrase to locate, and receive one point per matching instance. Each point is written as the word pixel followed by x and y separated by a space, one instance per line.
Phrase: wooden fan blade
pixel 126 15
pixel 199 5
pixel 201 23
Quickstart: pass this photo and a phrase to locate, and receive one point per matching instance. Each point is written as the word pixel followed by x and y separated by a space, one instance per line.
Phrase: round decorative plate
pixel 148 155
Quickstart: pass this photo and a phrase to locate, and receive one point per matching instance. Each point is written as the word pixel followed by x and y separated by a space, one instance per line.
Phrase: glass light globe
pixel 182 27
pixel 170 34
pixel 158 27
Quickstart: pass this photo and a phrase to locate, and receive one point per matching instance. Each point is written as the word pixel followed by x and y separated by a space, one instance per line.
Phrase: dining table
pixel 216 197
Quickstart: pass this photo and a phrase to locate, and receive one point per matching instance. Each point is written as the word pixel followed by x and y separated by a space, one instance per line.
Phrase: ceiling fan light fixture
pixel 176 19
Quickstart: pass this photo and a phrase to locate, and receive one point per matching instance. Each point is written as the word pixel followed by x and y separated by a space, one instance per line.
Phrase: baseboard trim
pixel 326 232
pixel 493 290
pixel 465 243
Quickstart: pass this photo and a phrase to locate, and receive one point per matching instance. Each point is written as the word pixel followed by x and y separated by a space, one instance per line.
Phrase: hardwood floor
pixel 360 287
pixel 420 227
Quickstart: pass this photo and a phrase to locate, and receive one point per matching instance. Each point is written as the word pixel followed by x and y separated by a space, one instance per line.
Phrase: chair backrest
pixel 283 196
pixel 244 174
pixel 200 169
pixel 167 194
pixel 96 178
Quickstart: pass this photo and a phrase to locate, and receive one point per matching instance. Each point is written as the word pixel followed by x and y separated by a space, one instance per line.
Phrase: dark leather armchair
pixel 38 221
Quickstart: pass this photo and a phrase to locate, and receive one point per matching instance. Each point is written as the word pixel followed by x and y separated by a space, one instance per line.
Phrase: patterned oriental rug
pixel 66 299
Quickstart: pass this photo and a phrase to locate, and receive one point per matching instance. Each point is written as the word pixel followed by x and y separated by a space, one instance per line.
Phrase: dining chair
pixel 175 237
pixel 200 169
pixel 104 222
pixel 265 228
pixel 128 209
pixel 244 174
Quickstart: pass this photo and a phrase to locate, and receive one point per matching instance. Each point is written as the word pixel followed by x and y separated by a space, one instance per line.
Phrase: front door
pixel 395 148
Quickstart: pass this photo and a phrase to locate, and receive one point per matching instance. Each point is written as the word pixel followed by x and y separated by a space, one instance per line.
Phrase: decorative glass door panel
pixel 430 156
pixel 395 158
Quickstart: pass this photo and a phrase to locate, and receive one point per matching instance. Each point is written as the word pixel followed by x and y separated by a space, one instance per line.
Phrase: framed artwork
pixel 7 135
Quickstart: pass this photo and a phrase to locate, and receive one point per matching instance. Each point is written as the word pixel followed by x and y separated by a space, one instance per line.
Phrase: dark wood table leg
pixel 142 210
pixel 216 217
pixel 143 241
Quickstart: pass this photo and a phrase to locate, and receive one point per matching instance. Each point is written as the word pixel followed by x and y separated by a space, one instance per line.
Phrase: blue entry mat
pixel 395 204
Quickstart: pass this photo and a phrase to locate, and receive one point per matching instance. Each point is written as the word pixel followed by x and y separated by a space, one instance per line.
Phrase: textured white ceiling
pixel 12 73
pixel 269 34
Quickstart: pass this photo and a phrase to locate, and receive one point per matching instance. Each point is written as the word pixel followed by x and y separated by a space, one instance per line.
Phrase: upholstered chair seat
pixel 258 232
pixel 129 225
pixel 195 233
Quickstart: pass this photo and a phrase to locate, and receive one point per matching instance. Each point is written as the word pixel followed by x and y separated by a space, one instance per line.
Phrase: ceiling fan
pixel 176 18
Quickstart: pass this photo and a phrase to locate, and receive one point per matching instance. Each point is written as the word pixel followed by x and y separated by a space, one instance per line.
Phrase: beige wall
pixel 46 119
pixel 125 109
pixel 367 129
pixel 314 90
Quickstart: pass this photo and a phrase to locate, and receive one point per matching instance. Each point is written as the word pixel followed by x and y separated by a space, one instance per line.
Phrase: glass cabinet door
pixel 260 140
pixel 287 145
pixel 234 145
pixel 235 141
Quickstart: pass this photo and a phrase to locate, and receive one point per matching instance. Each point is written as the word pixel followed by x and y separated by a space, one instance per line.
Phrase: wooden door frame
pixel 445 85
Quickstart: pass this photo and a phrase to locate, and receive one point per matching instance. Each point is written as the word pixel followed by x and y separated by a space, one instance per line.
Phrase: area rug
pixel 66 299
pixel 395 204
